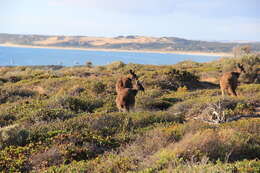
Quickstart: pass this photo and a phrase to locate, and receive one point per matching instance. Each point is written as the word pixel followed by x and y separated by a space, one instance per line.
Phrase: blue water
pixel 40 56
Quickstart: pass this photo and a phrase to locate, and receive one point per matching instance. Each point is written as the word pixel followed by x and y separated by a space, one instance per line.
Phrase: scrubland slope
pixel 64 119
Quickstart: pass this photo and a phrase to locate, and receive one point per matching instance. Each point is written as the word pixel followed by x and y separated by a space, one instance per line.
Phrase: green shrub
pixel 2 80
pixel 174 79
pixel 14 79
pixel 78 104
pixel 250 126
pixel 43 133
pixel 178 165
pixel 110 124
pixel 84 145
pixel 14 94
pixel 49 157
pixel 144 119
pixel 6 119
pixel 225 144
pixel 109 106
pixel 154 104
pixel 15 159
pixel 13 135
pixel 48 115
pixel 115 65
pixel 251 63
pixel 77 91
pixel 98 87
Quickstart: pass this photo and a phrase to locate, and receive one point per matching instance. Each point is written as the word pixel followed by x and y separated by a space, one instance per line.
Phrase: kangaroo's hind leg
pixel 222 92
pixel 232 91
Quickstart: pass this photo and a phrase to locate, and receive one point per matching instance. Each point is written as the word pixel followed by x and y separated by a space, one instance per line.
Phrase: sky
pixel 221 20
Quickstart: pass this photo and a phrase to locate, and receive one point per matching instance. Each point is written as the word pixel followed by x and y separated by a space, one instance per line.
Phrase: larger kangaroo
pixel 229 81
pixel 125 99
pixel 126 82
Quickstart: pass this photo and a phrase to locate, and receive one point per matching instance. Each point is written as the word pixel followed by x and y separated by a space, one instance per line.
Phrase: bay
pixel 46 56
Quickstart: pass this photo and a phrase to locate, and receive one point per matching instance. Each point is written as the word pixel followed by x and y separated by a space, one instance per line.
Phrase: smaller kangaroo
pixel 125 99
pixel 126 82
pixel 229 81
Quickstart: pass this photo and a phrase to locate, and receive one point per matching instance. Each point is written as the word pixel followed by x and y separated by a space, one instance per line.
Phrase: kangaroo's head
pixel 138 86
pixel 240 68
pixel 133 76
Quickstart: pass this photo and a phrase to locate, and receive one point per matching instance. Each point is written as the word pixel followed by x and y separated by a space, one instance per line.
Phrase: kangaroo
pixel 229 81
pixel 125 99
pixel 126 82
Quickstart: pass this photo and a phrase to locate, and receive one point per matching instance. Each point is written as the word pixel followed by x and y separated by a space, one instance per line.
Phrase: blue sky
pixel 192 19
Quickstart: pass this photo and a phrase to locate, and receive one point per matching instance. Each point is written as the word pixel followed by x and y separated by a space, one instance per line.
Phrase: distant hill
pixel 124 43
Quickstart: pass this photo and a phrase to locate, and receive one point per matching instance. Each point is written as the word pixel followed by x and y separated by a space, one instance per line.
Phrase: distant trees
pixel 239 51
pixel 89 64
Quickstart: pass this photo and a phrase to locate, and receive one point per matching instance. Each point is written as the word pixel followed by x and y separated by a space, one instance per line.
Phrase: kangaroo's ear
pixel 134 76
pixel 239 65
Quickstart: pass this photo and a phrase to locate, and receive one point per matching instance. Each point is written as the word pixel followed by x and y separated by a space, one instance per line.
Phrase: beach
pixel 122 50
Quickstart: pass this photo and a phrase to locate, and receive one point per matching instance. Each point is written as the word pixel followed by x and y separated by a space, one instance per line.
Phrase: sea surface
pixel 42 56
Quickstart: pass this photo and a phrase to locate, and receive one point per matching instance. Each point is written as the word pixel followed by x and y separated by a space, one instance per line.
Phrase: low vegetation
pixel 65 119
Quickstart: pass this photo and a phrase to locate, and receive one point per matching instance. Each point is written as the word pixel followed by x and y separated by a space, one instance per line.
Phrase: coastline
pixel 121 50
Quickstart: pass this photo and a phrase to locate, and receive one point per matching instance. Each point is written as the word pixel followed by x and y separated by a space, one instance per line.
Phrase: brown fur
pixel 126 82
pixel 125 99
pixel 229 81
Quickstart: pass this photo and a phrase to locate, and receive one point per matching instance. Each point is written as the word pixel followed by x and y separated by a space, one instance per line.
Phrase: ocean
pixel 17 56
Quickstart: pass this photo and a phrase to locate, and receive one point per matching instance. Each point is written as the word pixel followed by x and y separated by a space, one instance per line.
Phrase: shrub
pixel 48 115
pixel 191 107
pixel 78 104
pixel 140 150
pixel 224 144
pixel 175 79
pixel 47 158
pixel 144 119
pixel 98 87
pixel 13 135
pixel 213 108
pixel 89 64
pixel 109 105
pixel 115 65
pixel 13 94
pixel 84 145
pixel 223 109
pixel 178 165
pixel 250 126
pixel 77 91
pixel 109 124
pixel 14 79
pixel 43 133
pixel 6 119
pixel 2 80
pixel 15 159
pixel 153 104
pixel 251 63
